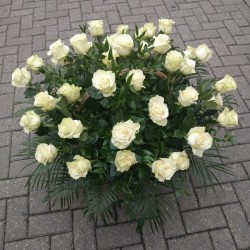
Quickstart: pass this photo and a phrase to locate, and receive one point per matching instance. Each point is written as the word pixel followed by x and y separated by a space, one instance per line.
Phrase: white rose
pixel 162 44
pixel 199 140
pixel 166 25
pixel 45 101
pixel 71 92
pixel 158 110
pixel 164 169
pixel 34 63
pixel 96 28
pixel 80 44
pixel 30 121
pixel 180 159
pixel 58 51
pixel 225 84
pixel 123 133
pixel 69 128
pixel 124 160
pixel 218 100
pixel 79 167
pixel 203 53
pixel 123 44
pixel 137 78
pixel 121 29
pixel 188 96
pixel 45 153
pixel 104 81
pixel 149 30
pixel 188 66
pixel 20 78
pixel 106 60
pixel 190 52
pixel 111 40
pixel 173 60
pixel 228 118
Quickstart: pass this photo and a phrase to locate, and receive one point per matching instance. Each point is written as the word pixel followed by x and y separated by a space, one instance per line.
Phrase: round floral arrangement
pixel 119 119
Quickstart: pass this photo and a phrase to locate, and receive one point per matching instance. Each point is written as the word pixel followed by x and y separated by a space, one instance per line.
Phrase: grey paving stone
pixel 17 216
pixel 222 239
pixel 247 167
pixel 243 192
pixel 226 36
pixel 62 242
pixel 36 202
pixel 1 234
pixel 52 223
pixel 153 241
pixel 135 247
pixel 207 218
pixel 84 234
pixel 13 187
pixel 28 244
pixel 236 153
pixel 18 137
pixel 2 209
pixel 174 226
pixel 190 242
pixel 5 139
pixel 117 236
pixel 4 162
pixel 238 225
pixel 22 168
pixel 6 102
pixel 219 195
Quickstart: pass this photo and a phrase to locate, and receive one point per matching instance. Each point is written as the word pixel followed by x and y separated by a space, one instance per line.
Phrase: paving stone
pixel 36 202
pixel 173 226
pixel 4 162
pixel 117 236
pixel 243 192
pixel 62 242
pixel 13 187
pixel 236 153
pixel 2 209
pixel 190 242
pixel 46 224
pixel 216 195
pixel 153 240
pixel 135 247
pixel 4 139
pixel 207 218
pixel 40 244
pixel 6 103
pixel 17 216
pixel 222 239
pixel 238 225
pixel 1 234
pixel 84 233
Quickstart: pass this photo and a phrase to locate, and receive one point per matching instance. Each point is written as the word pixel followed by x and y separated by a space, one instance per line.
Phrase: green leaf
pixel 30 92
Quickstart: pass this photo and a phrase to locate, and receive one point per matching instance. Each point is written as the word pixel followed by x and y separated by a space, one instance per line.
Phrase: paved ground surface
pixel 200 221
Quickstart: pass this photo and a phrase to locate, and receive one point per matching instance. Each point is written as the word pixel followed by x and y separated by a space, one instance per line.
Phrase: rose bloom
pixel 71 92
pixel 180 159
pixel 45 101
pixel 190 52
pixel 96 28
pixel 69 128
pixel 123 44
pixel 80 43
pixel 164 169
pixel 228 118
pixel 165 25
pixel 158 110
pixel 149 30
pixel 34 63
pixel 106 60
pixel 137 78
pixel 124 160
pixel 104 81
pixel 226 84
pixel 199 140
pixel 30 121
pixel 173 60
pixel 121 29
pixel 45 153
pixel 123 133
pixel 203 53
pixel 79 167
pixel 20 78
pixel 218 100
pixel 162 44
pixel 188 96
pixel 188 66
pixel 58 51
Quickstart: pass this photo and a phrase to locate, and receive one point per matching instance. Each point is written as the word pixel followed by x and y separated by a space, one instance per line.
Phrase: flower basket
pixel 118 119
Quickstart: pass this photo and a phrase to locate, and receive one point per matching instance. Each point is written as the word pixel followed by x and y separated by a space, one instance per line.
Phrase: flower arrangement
pixel 119 118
